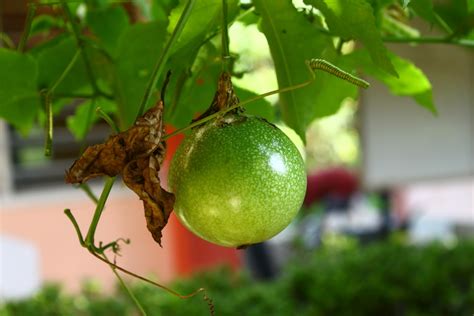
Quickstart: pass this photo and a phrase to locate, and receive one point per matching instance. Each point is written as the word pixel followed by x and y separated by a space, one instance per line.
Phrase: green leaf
pixel 333 90
pixel 85 116
pixel 198 91
pixel 205 17
pixel 293 40
pixel 52 60
pixel 19 99
pixel 160 9
pixel 138 50
pixel 424 8
pixel 412 81
pixel 354 19
pixel 108 24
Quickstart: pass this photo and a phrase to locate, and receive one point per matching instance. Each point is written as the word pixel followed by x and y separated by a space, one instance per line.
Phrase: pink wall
pixel 39 219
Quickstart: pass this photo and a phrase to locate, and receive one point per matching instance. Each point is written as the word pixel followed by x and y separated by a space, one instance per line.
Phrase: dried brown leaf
pixel 136 154
pixel 110 158
pixel 141 176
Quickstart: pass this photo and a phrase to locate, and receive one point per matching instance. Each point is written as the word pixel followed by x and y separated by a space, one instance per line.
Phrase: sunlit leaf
pixel 354 19
pixel 293 40
pixel 412 81
pixel 205 16
pixel 160 9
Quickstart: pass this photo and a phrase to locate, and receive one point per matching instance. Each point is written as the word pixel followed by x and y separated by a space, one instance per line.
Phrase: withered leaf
pixel 141 176
pixel 110 158
pixel 136 154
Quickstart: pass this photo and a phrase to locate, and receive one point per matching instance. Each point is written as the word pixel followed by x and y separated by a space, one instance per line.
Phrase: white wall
pixel 404 143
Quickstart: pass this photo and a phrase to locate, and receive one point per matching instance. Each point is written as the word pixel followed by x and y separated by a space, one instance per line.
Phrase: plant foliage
pixel 120 43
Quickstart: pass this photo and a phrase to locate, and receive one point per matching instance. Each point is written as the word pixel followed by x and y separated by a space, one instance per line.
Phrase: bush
pixel 381 279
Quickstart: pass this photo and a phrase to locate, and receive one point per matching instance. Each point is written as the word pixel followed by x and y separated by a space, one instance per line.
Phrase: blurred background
pixel 384 228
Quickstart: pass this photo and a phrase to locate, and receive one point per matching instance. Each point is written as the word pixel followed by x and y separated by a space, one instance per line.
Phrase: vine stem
pixel 114 265
pixel 160 64
pixel 314 64
pixel 7 40
pixel 126 288
pixel 80 44
pixel 88 191
pixel 225 38
pixel 429 40
pixel 48 102
pixel 98 211
pixel 27 29
pixel 443 24
pixel 108 119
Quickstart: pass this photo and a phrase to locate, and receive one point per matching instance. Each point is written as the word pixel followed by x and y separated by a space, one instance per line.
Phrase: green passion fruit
pixel 238 180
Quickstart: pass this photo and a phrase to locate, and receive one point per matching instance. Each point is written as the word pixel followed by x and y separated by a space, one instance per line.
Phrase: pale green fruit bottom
pixel 238 184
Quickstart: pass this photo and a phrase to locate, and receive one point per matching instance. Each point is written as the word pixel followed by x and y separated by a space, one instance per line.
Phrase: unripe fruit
pixel 238 180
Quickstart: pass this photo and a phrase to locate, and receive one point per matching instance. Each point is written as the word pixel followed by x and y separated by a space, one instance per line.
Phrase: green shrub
pixel 387 278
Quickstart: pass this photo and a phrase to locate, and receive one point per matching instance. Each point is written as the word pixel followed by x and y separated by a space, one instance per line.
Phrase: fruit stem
pixel 225 39
pixel 160 64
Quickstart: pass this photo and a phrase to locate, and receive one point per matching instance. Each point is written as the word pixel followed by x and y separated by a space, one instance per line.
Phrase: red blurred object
pixel 193 253
pixel 333 182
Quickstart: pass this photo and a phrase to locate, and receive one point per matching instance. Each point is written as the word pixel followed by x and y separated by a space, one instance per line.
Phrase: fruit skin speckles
pixel 238 181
